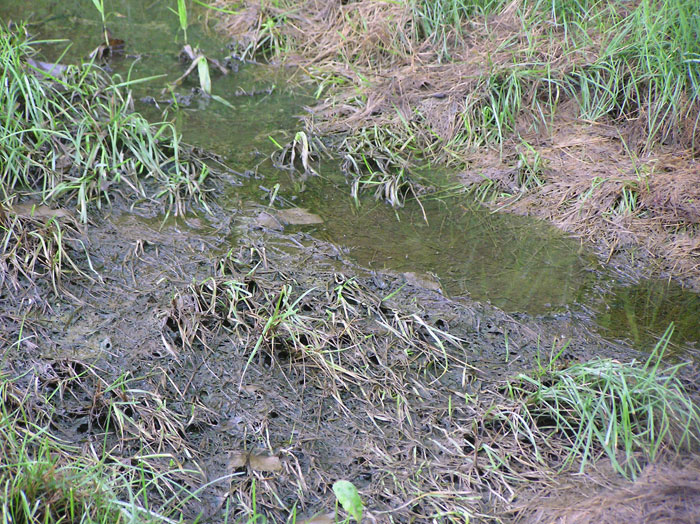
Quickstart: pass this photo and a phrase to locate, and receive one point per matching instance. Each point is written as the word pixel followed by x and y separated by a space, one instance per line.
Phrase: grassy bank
pixel 618 61
pixel 584 113
pixel 69 135
pixel 70 142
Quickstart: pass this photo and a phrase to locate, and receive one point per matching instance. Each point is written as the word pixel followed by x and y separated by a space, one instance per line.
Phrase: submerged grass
pixel 69 134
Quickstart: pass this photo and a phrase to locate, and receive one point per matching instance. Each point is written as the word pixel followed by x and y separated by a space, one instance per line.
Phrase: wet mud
pixel 287 339
pixel 285 353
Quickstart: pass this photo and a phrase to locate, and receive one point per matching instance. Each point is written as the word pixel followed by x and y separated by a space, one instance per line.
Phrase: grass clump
pixel 37 481
pixel 46 479
pixel 36 247
pixel 69 133
pixel 627 411
pixel 39 489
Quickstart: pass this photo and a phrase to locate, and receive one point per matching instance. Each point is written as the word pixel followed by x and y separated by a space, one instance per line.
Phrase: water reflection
pixel 642 312
pixel 517 263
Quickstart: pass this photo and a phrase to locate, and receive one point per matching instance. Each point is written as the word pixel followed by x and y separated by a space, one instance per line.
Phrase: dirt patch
pixel 502 95
pixel 259 379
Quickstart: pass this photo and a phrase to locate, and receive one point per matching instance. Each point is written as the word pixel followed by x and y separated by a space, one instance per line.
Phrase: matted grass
pixel 343 363
pixel 37 246
pixel 669 493
pixel 246 395
pixel 586 113
pixel 249 392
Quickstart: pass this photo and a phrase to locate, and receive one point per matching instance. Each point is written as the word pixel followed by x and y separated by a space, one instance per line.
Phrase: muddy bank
pixel 259 377
pixel 538 118
pixel 229 363
pixel 282 364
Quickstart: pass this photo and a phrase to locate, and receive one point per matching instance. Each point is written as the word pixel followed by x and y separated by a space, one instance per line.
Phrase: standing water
pixel 519 264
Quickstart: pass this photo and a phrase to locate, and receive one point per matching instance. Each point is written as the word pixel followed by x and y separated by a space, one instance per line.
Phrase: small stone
pixel 298 216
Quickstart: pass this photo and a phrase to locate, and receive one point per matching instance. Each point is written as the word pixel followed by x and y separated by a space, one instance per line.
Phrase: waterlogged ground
pixel 272 353
pixel 517 264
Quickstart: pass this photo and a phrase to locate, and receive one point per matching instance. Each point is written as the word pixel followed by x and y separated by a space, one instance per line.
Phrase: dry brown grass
pixel 393 99
pixel 663 494
pixel 648 206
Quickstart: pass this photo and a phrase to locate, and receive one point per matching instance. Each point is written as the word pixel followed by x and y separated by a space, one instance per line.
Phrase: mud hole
pixel 244 364
pixel 279 367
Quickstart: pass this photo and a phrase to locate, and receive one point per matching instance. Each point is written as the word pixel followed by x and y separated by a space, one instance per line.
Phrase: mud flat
pixel 192 338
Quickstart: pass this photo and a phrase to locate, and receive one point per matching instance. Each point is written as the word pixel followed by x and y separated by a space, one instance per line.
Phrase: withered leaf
pixel 298 216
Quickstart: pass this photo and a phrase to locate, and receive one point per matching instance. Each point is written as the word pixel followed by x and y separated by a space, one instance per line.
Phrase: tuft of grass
pixel 627 411
pixel 45 480
pixel 73 136
pixel 38 247
pixel 307 149
pixel 36 487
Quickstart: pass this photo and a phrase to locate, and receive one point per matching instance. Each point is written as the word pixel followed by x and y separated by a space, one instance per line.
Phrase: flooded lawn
pixel 233 361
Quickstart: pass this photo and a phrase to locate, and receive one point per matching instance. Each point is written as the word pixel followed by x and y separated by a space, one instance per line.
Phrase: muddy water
pixel 517 264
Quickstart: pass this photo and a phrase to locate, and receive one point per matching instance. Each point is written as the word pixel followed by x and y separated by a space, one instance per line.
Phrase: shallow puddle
pixel 639 313
pixel 515 263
